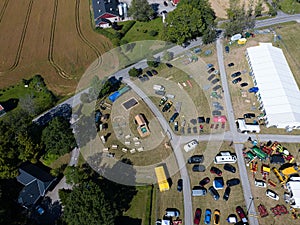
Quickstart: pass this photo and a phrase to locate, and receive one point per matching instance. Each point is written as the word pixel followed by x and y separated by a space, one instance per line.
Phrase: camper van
pixel 225 157
pixel 244 127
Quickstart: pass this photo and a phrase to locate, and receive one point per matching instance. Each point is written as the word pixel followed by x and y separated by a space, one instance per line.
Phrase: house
pixel 142 126
pixel 2 112
pixel 36 182
pixel 106 12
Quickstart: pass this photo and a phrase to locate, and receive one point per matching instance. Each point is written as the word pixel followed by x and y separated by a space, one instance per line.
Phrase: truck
pixel 158 87
pixel 225 157
pixel 244 127
pixel 161 179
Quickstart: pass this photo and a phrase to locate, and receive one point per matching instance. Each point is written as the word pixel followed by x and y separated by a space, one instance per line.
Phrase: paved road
pixel 282 18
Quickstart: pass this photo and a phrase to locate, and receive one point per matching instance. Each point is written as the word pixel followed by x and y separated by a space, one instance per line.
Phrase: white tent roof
pixel 294 184
pixel 277 87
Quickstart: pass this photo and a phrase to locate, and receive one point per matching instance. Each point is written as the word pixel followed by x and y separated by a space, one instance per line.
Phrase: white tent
pixel 294 187
pixel 278 91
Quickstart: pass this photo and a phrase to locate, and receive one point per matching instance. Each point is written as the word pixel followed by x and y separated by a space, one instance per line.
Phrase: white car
pixel 271 194
pixel 260 183
pixel 190 145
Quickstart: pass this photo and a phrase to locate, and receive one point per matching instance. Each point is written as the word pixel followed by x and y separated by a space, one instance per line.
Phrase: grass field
pixel 290 6
pixel 54 39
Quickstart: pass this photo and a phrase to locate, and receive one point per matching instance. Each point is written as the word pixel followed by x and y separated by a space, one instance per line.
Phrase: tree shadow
pixel 121 220
pixel 10 104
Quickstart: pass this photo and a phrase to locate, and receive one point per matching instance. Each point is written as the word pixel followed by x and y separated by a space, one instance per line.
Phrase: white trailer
pixel 244 127
pixel 225 157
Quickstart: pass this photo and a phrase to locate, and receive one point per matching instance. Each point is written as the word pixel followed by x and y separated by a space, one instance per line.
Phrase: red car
pixel 197 216
pixel 216 171
pixel 241 214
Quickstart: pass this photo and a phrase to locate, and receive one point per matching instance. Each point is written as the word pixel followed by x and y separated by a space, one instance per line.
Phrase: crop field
pixel 51 38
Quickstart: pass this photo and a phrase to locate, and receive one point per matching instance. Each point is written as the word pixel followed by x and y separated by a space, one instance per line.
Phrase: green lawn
pixel 141 31
pixel 290 6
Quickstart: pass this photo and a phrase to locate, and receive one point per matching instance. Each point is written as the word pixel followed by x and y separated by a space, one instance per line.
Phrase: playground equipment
pixel 282 179
pixel 279 210
pixel 265 170
pixel 263 212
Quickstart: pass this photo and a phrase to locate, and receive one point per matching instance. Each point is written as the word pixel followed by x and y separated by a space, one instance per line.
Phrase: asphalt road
pixel 282 18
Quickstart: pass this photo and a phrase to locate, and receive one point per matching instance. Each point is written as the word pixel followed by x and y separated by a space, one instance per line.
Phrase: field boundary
pixel 3 9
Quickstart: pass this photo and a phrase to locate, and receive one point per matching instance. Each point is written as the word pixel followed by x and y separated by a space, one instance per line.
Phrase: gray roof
pixel 101 7
pixel 36 183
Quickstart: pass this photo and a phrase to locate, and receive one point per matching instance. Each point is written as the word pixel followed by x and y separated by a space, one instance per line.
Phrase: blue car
pixel 207 217
pixel 253 90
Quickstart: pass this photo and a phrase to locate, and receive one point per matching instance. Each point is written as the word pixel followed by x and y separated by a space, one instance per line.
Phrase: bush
pixel 134 72
pixel 153 33
pixel 145 31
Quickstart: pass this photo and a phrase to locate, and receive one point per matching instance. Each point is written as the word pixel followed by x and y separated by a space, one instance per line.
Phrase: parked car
pixel 163 100
pixel 171 212
pixel 215 88
pixel 176 126
pixel 216 113
pixel 244 84
pixel 169 65
pixel 173 117
pixel 260 183
pixel 179 185
pixel 196 159
pixel 253 90
pixel 215 81
pixel 207 217
pixel 236 74
pixel 227 49
pixel 190 145
pixel 198 168
pixel 158 222
pixel 229 168
pixel 215 170
pixel 149 73
pixel 271 194
pixel 154 72
pixel 145 77
pixel 231 64
pixel 165 3
pixel 249 115
pixel 241 214
pixel 197 216
pixel 233 182
pixel 214 193
pixel 211 77
pixel 226 193
pixel 237 80
pixel 204 181
pixel 167 106
pixel 212 69
pixel 216 217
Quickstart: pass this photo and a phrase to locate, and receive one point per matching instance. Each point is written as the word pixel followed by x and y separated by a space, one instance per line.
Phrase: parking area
pixel 207 202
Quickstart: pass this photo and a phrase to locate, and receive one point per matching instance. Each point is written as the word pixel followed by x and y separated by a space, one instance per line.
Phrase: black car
pixel 169 65
pixel 165 3
pixel 211 70
pixel 154 72
pixel 216 113
pixel 227 49
pixel 244 84
pixel 249 115
pixel 198 168
pixel 149 73
pixel 233 182
pixel 214 193
pixel 229 168
pixel 226 193
pixel 237 80
pixel 145 77
pixel 215 81
pixel 234 75
pixel 231 64
pixel 204 181
pixel 211 77
pixel 217 87
pixel 216 171
pixel 179 185
pixel 196 159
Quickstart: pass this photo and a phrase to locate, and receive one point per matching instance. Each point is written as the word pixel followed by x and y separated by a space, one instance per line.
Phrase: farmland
pixel 52 38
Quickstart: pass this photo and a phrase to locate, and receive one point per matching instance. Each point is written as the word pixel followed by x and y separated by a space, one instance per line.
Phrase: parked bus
pixel 161 179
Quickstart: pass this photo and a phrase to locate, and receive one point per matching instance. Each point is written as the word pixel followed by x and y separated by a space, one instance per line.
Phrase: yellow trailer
pixel 281 179
pixel 161 179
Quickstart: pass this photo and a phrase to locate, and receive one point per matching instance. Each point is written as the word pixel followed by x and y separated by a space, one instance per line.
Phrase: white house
pixel 278 94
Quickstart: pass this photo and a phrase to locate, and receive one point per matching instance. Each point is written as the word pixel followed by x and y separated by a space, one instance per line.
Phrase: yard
pixel 290 6
pixel 236 198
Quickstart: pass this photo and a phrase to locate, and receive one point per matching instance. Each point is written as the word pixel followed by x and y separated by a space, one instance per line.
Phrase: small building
pixel 2 111
pixel 105 12
pixel 37 183
pixel 142 126
pixel 294 187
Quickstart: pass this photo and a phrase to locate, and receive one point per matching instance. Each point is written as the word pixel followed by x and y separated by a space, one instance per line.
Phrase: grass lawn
pixel 142 31
pixel 290 6
pixel 141 206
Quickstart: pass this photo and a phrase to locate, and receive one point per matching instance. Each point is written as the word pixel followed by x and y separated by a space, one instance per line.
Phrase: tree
pixel 209 35
pixel 87 205
pixel 27 103
pixel 182 24
pixel 75 175
pixel 134 72
pixel 152 62
pixel 58 137
pixel 140 10
pixel 258 8
pixel 168 56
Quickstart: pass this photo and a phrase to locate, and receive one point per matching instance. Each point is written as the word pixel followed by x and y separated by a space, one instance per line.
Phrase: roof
pixel 294 185
pixel 139 119
pixel 269 66
pixel 105 8
pixel 36 183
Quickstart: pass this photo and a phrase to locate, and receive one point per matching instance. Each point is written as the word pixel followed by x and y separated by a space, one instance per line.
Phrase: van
pixel 225 157
pixel 199 191
pixel 170 212
pixel 172 119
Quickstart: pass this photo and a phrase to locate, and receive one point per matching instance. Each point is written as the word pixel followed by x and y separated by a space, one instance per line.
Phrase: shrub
pixel 153 33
